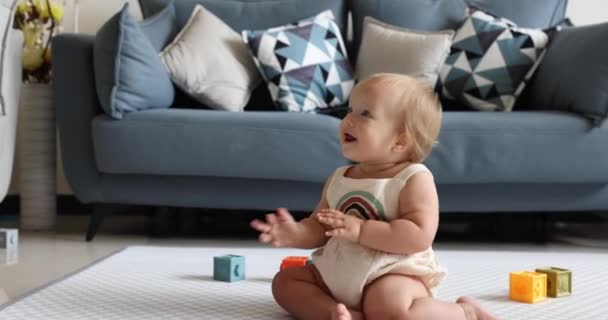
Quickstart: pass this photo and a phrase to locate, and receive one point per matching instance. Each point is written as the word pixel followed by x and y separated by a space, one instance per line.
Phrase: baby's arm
pixel 314 236
pixel 415 230
pixel 281 230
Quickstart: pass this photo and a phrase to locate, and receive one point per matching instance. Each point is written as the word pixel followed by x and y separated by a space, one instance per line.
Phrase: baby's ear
pixel 403 143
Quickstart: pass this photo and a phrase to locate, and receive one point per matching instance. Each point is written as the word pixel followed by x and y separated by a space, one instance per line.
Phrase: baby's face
pixel 372 126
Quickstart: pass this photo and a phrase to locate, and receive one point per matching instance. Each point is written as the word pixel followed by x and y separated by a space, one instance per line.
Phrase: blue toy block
pixel 229 268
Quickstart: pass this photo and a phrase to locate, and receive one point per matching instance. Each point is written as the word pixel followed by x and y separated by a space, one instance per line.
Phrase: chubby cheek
pixel 342 129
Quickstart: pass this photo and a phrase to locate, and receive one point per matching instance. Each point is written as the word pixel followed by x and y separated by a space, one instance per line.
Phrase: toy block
pixel 525 286
pixel 559 281
pixel 9 256
pixel 294 261
pixel 229 268
pixel 9 238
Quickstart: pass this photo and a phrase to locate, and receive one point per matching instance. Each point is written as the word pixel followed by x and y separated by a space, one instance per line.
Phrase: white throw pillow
pixel 210 62
pixel 392 49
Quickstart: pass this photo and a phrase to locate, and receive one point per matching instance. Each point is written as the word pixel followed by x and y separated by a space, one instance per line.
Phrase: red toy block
pixel 294 261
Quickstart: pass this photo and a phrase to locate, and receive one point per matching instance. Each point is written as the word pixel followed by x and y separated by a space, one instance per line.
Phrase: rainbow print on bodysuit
pixel 362 205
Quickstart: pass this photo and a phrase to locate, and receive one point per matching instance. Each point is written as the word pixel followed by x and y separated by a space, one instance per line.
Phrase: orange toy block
pixel 294 261
pixel 525 286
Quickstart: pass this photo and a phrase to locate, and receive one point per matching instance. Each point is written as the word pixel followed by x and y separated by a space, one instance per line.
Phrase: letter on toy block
pixel 9 239
pixel 559 281
pixel 294 261
pixel 229 268
pixel 525 286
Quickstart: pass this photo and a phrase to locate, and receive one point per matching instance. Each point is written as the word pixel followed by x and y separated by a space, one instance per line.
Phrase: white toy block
pixel 9 239
pixel 9 256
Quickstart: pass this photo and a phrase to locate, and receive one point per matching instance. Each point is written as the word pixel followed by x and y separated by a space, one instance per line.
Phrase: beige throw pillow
pixel 210 62
pixel 392 49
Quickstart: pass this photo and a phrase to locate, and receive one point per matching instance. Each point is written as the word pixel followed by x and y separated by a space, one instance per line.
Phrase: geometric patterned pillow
pixel 305 64
pixel 490 61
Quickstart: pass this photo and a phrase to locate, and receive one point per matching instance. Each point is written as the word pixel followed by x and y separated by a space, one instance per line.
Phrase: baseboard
pixel 66 205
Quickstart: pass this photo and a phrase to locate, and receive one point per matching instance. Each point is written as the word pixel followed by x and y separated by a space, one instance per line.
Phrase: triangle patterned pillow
pixel 491 60
pixel 304 64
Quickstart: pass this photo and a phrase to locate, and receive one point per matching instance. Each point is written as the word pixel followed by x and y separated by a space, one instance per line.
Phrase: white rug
pixel 176 283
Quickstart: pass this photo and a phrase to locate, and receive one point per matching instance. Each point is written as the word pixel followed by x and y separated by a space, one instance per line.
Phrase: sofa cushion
pixel 573 75
pixel 304 64
pixel 416 53
pixel 519 147
pixel 129 75
pixel 526 13
pixel 252 14
pixel 489 62
pixel 160 28
pixel 256 145
pixel 209 61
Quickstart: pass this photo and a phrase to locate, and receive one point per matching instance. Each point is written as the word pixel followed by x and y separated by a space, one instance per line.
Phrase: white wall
pixel 583 12
pixel 93 13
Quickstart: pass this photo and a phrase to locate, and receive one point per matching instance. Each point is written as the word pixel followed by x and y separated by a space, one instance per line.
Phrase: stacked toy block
pixel 9 239
pixel 9 246
pixel 559 281
pixel 532 287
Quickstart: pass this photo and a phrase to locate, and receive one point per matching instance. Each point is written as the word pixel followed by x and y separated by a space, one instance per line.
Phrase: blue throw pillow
pixel 129 74
pixel 490 61
pixel 305 65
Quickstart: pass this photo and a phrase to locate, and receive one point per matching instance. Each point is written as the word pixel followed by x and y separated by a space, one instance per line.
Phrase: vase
pixel 37 162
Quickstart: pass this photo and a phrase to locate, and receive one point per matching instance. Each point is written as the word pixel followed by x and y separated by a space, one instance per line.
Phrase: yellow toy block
pixel 525 286
pixel 559 281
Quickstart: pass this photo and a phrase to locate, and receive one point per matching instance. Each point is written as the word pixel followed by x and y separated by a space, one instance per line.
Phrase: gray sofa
pixel 11 42
pixel 191 157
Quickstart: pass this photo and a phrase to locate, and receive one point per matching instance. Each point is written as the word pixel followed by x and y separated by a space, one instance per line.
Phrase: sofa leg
pixel 163 222
pixel 541 228
pixel 99 211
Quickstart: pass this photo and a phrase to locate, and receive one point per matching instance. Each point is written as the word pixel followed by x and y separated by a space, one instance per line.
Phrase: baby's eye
pixel 366 113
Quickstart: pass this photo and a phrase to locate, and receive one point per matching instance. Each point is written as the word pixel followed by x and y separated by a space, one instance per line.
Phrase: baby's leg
pixel 391 296
pixel 402 297
pixel 302 292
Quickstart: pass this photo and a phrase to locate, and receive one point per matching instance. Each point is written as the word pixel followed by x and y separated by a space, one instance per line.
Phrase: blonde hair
pixel 421 106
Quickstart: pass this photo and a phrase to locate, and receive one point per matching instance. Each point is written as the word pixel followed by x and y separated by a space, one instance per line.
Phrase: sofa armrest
pixel 76 104
pixel 10 85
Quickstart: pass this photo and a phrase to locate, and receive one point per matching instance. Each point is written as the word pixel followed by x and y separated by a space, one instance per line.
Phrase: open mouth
pixel 349 138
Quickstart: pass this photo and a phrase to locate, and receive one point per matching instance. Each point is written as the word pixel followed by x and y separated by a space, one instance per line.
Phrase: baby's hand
pixel 342 225
pixel 278 230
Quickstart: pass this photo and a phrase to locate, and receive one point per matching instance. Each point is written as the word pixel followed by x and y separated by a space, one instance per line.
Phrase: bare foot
pixel 473 310
pixel 343 313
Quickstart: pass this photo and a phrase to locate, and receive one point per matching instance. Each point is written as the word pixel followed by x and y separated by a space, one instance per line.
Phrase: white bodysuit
pixel 347 267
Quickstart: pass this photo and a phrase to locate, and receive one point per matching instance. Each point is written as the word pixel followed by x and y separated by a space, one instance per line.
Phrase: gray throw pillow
pixel 427 15
pixel 391 49
pixel 210 62
pixel 573 75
